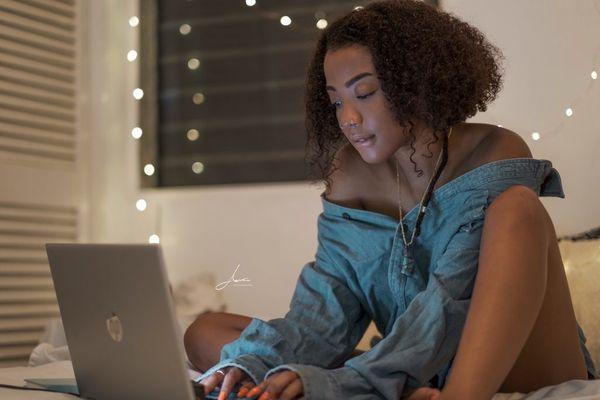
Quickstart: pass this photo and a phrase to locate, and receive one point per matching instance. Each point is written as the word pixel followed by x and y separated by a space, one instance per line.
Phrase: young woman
pixel 431 227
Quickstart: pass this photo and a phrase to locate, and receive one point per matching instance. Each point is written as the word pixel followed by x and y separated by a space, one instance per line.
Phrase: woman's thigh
pixel 207 335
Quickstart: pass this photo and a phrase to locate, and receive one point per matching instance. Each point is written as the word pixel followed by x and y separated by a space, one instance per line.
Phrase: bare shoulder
pixel 347 167
pixel 518 205
pixel 500 144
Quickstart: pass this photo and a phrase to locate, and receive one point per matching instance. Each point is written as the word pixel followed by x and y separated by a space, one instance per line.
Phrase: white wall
pixel 270 229
pixel 551 47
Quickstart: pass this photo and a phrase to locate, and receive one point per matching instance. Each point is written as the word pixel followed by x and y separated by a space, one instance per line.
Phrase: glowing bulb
pixel 535 136
pixel 193 63
pixel 134 21
pixel 250 3
pixel 285 20
pixel 197 167
pixel 322 24
pixel 141 204
pixel 569 112
pixel 185 29
pixel 136 132
pixel 567 266
pixel 193 135
pixel 138 93
pixel 131 55
pixel 154 239
pixel 594 75
pixel 149 169
pixel 358 8
pixel 198 98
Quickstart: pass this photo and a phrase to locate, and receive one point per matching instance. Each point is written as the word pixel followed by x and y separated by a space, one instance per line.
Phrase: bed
pixel 582 265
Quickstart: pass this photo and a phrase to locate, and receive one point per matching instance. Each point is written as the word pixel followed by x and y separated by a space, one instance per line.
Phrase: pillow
pixel 582 267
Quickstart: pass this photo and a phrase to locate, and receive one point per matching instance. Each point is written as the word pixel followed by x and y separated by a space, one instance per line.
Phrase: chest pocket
pixel 462 245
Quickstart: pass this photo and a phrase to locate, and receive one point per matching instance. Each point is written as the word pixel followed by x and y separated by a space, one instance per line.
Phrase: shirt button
pixel 346 215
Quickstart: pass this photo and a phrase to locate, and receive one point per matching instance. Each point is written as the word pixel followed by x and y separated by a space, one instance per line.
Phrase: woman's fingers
pixel 232 376
pixel 424 393
pixel 293 390
pixel 211 382
pixel 277 383
pixel 255 391
pixel 246 387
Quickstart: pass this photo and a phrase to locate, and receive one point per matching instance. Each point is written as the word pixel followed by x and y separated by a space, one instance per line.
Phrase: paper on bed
pixel 16 377
pixel 62 369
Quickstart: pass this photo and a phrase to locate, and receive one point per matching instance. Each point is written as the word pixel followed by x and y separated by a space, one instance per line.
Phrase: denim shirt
pixel 359 275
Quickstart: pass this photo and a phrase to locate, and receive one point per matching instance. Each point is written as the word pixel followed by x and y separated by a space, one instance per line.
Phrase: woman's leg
pixel 520 333
pixel 205 337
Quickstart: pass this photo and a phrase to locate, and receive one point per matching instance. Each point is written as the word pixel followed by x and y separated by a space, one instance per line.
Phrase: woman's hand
pixel 226 381
pixel 284 385
pixel 425 393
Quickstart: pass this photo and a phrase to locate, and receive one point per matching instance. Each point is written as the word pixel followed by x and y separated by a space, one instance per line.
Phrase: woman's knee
pixel 205 337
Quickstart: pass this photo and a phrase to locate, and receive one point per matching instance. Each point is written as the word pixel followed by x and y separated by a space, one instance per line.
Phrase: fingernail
pixel 253 392
pixel 242 392
pixel 264 396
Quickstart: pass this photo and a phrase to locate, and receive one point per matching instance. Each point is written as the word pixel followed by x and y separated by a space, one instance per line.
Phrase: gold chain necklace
pixel 421 207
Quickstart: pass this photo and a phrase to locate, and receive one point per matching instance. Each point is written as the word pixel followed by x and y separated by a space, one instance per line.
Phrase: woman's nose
pixel 349 118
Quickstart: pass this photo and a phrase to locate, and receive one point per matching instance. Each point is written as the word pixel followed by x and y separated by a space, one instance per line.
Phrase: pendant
pixel 407 262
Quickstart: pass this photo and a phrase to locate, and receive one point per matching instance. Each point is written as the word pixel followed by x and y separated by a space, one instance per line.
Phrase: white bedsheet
pixel 571 390
pixel 61 369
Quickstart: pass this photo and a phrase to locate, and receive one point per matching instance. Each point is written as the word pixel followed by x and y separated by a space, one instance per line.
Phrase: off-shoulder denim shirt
pixel 357 276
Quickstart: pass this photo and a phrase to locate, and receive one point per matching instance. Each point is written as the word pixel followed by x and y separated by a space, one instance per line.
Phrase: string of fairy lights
pixel 287 22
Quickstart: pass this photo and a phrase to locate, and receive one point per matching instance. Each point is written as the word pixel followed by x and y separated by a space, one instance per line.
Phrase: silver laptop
pixel 116 308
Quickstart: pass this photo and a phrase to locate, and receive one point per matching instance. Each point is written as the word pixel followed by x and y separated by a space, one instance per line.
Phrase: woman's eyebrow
pixel 351 81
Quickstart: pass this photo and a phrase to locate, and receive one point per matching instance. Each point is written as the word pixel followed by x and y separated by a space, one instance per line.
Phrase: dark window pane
pixel 226 104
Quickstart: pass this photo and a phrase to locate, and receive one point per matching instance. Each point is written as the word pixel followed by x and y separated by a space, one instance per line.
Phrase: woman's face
pixel 360 105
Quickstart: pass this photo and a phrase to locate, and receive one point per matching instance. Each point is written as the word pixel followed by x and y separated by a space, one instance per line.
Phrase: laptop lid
pixel 117 312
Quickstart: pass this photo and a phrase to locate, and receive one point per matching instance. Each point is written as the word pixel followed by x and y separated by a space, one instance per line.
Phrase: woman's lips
pixel 365 142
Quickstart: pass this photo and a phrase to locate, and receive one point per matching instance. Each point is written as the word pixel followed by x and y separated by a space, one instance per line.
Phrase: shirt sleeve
pixel 322 327
pixel 422 341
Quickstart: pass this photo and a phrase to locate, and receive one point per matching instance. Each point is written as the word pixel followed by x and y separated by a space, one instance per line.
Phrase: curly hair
pixel 431 66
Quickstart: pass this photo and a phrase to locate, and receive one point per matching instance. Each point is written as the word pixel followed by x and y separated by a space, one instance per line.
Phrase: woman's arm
pixel 324 324
pixel 422 340
pixel 507 297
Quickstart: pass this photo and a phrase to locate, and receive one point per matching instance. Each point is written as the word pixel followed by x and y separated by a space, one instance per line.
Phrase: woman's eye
pixel 362 97
pixel 365 95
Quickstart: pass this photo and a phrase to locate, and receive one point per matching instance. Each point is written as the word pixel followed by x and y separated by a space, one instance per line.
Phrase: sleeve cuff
pixel 249 363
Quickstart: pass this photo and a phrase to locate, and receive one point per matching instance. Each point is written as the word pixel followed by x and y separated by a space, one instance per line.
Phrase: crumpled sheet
pixel 60 369
pixel 570 390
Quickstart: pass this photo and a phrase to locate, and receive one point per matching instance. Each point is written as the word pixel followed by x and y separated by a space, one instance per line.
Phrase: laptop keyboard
pixel 214 395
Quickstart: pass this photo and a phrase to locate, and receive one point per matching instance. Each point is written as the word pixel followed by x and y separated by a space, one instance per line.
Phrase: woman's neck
pixel 415 178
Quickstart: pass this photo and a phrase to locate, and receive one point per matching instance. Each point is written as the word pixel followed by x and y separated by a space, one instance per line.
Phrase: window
pixel 223 88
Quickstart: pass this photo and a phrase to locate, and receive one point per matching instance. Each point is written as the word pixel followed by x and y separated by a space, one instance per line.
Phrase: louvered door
pixel 40 178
